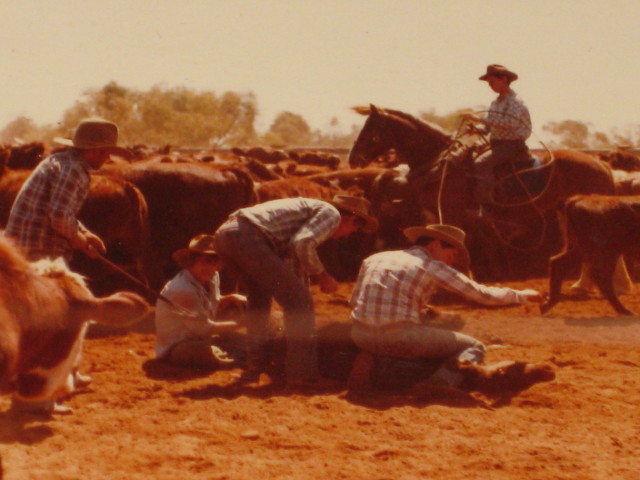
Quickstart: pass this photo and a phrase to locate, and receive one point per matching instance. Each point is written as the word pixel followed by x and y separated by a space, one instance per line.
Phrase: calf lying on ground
pixel 600 229
pixel 44 312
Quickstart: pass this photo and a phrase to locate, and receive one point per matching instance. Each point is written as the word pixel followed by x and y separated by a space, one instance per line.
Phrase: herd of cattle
pixel 151 204
pixel 148 206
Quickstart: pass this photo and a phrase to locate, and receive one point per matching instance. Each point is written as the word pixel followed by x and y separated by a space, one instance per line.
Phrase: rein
pixel 530 201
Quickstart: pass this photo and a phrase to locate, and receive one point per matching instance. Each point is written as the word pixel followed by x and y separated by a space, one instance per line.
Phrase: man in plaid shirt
pixel 393 288
pixel 43 219
pixel 258 244
pixel 509 126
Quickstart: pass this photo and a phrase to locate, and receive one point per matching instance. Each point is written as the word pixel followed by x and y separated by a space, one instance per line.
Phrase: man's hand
pixel 327 283
pixel 89 243
pixel 470 117
pixel 532 296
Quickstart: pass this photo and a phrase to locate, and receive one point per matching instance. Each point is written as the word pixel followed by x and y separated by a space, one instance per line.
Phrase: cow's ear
pixel 118 310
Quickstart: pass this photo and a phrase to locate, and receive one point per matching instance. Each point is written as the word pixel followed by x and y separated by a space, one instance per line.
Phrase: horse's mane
pixel 430 128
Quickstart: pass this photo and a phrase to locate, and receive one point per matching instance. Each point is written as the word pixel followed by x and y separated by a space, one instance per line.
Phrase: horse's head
pixel 374 140
pixel 415 141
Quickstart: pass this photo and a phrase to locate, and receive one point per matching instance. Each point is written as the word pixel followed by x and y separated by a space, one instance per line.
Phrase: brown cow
pixel 26 156
pixel 44 312
pixel 184 200
pixel 316 158
pixel 600 229
pixel 622 159
pixel 358 178
pixel 265 155
pixel 294 187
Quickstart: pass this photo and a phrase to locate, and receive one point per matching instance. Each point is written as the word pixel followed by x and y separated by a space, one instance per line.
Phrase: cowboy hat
pixel 500 71
pixel 95 133
pixel 446 233
pixel 357 206
pixel 200 244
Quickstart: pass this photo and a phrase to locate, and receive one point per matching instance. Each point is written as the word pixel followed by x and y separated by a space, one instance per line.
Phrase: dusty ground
pixel 139 422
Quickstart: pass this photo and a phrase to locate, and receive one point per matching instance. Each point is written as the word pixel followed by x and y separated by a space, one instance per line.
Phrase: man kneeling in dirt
pixel 185 338
pixel 394 286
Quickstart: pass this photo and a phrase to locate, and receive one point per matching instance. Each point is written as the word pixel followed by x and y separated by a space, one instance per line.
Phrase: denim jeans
pixel 413 340
pixel 248 253
pixel 502 151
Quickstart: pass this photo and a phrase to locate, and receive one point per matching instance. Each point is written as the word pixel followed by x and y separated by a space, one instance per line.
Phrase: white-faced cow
pixel 44 312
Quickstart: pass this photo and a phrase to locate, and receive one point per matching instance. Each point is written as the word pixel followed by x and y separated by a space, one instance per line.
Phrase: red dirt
pixel 134 424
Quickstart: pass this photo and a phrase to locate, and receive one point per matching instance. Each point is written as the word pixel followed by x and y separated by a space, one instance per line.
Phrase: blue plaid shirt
pixel 508 118
pixel 43 219
pixel 295 226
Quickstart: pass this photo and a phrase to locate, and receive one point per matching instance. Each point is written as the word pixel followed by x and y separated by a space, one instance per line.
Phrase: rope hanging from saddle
pixel 531 200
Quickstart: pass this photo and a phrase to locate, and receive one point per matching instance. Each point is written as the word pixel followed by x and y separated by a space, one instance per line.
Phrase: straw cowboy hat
pixel 95 133
pixel 498 70
pixel 447 233
pixel 200 244
pixel 358 206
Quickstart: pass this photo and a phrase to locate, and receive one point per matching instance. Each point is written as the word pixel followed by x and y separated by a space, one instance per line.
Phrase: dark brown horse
pixel 441 179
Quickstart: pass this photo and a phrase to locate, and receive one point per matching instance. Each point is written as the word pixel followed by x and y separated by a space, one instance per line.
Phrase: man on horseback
pixel 509 125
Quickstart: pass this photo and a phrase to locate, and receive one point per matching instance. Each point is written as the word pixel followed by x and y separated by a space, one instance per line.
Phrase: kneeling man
pixel 393 288
pixel 185 336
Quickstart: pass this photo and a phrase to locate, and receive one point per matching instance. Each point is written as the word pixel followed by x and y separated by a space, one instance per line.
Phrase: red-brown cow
pixel 294 187
pixel 265 155
pixel 361 179
pixel 44 311
pixel 316 158
pixel 184 200
pixel 600 229
pixel 622 159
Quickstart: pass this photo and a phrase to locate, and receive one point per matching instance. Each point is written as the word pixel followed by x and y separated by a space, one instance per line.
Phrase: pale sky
pixel 577 60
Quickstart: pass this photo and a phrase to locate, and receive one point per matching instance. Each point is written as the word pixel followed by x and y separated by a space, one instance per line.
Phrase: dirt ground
pixel 138 421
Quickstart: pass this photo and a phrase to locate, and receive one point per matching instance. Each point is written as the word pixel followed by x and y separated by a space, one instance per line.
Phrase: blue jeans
pixel 412 340
pixel 502 152
pixel 248 253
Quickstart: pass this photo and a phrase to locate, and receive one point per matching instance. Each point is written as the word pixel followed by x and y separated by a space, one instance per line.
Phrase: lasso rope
pixel 531 199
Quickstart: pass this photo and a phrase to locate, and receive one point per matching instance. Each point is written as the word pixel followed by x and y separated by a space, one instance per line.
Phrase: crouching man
pixel 185 336
pixel 393 287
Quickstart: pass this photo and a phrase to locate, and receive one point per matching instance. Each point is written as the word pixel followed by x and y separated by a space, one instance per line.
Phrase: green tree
pixel 288 129
pixel 176 116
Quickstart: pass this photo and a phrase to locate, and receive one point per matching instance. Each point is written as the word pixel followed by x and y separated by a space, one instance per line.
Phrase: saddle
pixel 521 180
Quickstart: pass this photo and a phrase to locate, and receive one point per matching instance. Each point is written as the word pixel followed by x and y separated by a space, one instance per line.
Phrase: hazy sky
pixel 576 59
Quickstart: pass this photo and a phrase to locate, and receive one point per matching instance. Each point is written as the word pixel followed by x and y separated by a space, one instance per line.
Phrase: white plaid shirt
pixel 508 118
pixel 394 286
pixel 295 226
pixel 43 219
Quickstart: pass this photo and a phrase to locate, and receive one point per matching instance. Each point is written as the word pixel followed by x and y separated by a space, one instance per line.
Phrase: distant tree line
pixel 564 134
pixel 183 117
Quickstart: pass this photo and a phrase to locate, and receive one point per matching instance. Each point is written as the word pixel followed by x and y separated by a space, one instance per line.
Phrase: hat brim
pixel 510 75
pixel 463 260
pixel 113 149
pixel 182 255
pixel 371 223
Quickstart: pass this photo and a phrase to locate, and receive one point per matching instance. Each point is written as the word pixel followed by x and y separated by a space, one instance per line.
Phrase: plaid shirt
pixel 43 218
pixel 295 226
pixel 508 118
pixel 394 286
